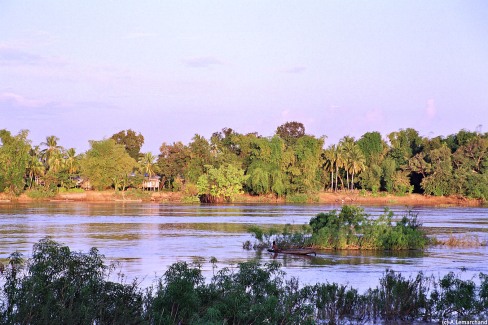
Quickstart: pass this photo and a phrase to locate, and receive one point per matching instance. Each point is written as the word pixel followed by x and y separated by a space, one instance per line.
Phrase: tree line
pixel 289 163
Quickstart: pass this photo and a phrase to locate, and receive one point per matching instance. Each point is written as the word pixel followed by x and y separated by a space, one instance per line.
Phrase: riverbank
pixel 352 197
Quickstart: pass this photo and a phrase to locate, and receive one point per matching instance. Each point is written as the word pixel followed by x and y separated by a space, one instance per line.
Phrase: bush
pixel 41 193
pixel 352 228
pixel 64 287
pixel 59 286
pixel 285 238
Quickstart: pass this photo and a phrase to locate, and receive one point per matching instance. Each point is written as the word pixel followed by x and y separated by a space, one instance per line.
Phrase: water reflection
pixel 146 238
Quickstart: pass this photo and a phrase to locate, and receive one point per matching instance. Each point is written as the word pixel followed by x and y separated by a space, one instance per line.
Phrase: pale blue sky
pixel 84 70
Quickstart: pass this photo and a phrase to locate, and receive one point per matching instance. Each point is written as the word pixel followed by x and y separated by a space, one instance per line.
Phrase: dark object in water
pixel 296 251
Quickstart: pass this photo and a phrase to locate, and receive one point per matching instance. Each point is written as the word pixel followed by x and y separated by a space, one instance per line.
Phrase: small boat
pixel 296 251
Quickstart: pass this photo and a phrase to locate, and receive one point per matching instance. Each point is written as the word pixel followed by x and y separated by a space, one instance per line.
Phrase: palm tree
pixel 70 161
pixel 56 161
pixel 51 150
pixel 35 169
pixel 347 144
pixel 330 163
pixel 357 162
pixel 148 165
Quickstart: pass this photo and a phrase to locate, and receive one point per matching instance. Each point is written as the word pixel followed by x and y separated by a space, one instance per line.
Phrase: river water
pixel 145 238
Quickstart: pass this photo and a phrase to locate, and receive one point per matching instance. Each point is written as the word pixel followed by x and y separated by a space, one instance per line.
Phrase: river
pixel 145 238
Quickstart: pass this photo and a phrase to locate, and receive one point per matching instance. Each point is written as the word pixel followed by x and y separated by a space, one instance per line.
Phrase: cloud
pixel 296 70
pixel 430 109
pixel 202 62
pixel 16 100
pixel 11 55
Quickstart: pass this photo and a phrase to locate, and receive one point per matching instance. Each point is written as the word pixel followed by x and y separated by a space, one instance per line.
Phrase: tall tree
pixel 173 162
pixel 290 131
pixel 222 183
pixel 357 163
pixel 439 182
pixel 52 150
pixel 147 164
pixel 107 164
pixel 14 160
pixel 131 141
pixel 200 153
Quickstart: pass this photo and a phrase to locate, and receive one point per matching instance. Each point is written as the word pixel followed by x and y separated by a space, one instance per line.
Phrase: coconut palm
pixel 70 161
pixel 35 168
pixel 56 161
pixel 356 163
pixel 51 150
pixel 147 164
pixel 347 146
pixel 329 156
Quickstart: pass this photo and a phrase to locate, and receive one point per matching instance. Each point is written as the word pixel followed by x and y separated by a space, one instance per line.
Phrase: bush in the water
pixel 58 286
pixel 352 228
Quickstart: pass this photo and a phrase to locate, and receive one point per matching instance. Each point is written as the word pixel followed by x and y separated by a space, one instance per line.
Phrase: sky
pixel 84 70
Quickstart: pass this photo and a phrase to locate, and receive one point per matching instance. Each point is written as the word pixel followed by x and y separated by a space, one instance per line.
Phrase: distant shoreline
pixel 355 197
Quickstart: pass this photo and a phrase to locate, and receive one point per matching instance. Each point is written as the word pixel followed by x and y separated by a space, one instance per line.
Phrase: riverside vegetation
pixel 289 164
pixel 349 228
pixel 60 286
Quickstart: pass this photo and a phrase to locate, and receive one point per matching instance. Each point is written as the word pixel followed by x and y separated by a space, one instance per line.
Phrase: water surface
pixel 145 238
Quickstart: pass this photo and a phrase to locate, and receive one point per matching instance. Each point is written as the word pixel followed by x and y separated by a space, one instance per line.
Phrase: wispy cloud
pixel 11 56
pixel 17 100
pixel 202 62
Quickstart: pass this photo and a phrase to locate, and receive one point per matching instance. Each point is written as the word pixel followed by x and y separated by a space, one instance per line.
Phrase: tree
pixel 290 131
pixel 222 183
pixel 147 164
pixel 439 182
pixel 328 156
pixel 52 153
pixel 357 163
pixel 373 147
pixel 71 161
pixel 200 154
pixel 404 145
pixel 14 160
pixel 173 162
pixel 107 164
pixel 347 146
pixel 131 141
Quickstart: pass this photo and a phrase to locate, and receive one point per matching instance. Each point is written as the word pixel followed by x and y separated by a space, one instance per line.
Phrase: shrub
pixel 41 193
pixel 58 286
pixel 64 287
pixel 352 228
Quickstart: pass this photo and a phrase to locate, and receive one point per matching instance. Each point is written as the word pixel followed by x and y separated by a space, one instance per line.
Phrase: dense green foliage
pixel 14 159
pixel 107 164
pixel 349 228
pixel 59 286
pixel 223 182
pixel 352 228
pixel 290 163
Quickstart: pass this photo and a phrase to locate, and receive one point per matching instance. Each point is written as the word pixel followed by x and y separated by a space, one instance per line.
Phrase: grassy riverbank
pixel 349 197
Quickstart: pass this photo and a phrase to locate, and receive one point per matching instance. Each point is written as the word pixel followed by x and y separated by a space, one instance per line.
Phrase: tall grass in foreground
pixel 59 286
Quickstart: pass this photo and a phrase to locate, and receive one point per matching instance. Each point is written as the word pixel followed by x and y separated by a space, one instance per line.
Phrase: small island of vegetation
pixel 349 228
